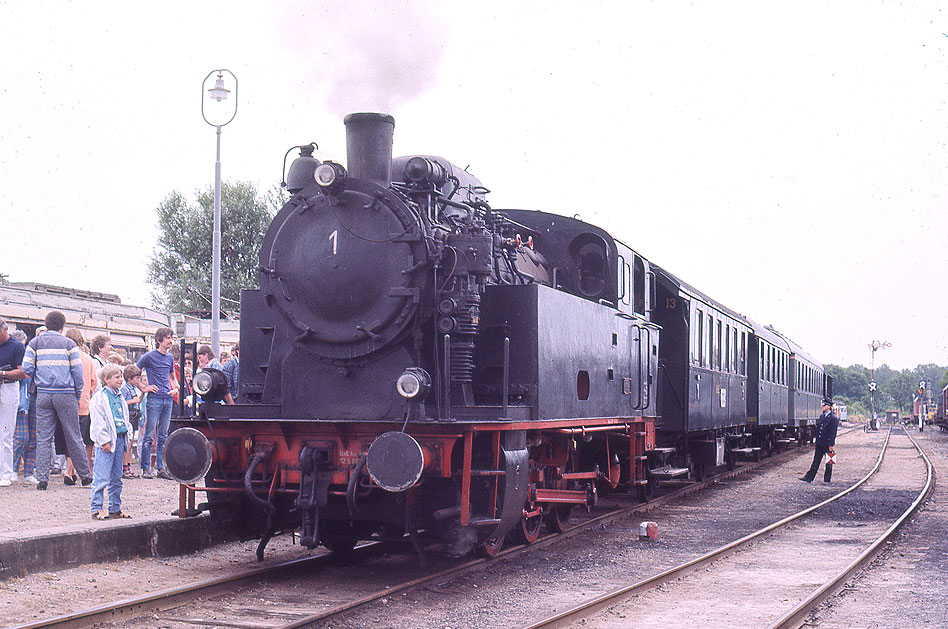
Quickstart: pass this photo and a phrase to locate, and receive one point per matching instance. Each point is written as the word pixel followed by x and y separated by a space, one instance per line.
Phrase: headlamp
pixel 330 176
pixel 413 384
pixel 210 384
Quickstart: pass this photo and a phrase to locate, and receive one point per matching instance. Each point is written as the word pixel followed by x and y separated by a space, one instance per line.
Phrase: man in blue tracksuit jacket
pixel 825 442
pixel 52 361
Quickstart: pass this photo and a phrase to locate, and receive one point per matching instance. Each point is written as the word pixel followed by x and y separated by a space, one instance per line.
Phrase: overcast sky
pixel 788 159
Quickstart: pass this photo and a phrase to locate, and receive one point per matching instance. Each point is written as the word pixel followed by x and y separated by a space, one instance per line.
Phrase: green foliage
pixel 894 389
pixel 181 267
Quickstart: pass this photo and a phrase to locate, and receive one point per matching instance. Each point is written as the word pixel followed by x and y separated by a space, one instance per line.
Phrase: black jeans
pixel 818 453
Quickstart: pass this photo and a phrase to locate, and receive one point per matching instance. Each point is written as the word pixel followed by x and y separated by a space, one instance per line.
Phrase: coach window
pixel 624 280
pixel 710 332
pixel 765 352
pixel 762 361
pixel 735 350
pixel 727 348
pixel 743 353
pixel 699 317
pixel 712 346
pixel 718 350
pixel 692 337
pixel 638 285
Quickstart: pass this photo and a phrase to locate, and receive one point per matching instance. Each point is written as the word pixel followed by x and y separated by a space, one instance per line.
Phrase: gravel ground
pixel 753 586
pixel 540 583
pixel 64 508
pixel 503 594
pixel 905 586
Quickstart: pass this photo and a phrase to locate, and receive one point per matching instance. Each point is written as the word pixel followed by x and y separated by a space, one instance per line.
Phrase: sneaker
pixel 5 483
pixel 70 480
pixel 41 485
pixel 165 475
pixel 86 481
pixel 55 470
pixel 148 473
pixel 30 480
pixel 805 480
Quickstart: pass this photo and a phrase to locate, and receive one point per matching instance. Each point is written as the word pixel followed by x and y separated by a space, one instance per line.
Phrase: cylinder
pixel 369 147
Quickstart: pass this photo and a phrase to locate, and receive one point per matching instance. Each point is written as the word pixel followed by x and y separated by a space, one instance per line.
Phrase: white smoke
pixel 363 55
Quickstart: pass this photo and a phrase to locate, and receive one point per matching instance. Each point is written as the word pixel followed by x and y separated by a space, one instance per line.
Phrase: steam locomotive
pixel 418 363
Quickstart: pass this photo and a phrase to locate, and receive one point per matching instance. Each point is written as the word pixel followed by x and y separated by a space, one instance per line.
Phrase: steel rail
pixel 544 541
pixel 600 603
pixel 795 616
pixel 157 601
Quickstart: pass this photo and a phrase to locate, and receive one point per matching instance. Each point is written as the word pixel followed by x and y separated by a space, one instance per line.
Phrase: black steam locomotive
pixel 416 362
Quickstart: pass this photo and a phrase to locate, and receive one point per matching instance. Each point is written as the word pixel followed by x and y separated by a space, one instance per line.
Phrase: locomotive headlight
pixel 330 176
pixel 413 384
pixel 202 383
pixel 210 384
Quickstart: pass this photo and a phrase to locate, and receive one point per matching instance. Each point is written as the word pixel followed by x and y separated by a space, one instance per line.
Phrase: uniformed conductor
pixel 825 442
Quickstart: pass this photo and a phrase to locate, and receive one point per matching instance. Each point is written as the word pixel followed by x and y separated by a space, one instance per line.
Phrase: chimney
pixel 369 147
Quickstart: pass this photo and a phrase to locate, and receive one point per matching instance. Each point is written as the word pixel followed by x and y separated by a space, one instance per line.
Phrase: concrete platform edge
pixel 68 549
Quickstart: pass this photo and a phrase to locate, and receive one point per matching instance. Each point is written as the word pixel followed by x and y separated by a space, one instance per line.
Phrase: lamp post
pixel 875 346
pixel 219 118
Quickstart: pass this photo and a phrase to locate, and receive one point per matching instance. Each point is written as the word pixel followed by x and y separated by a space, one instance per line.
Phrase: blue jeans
pixel 157 414
pixel 107 472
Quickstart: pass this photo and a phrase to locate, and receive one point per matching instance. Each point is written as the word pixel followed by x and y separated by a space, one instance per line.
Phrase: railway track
pixel 716 596
pixel 190 604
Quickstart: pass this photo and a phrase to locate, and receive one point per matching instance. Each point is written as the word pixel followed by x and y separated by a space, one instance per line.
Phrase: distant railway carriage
pixel 726 377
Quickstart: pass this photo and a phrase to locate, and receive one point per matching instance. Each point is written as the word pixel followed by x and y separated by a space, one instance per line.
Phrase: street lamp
pixel 218 93
pixel 875 346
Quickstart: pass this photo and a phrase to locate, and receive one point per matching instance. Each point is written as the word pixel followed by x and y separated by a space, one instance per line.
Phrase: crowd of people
pixel 88 412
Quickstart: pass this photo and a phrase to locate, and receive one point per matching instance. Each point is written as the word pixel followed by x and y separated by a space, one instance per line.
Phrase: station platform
pixel 53 529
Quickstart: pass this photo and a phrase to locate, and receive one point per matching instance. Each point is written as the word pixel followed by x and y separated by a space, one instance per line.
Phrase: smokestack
pixel 369 147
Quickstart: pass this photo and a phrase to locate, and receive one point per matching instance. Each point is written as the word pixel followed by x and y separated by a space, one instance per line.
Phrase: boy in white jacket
pixel 109 431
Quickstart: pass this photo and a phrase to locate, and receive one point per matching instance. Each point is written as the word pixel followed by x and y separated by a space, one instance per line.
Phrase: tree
pixel 180 269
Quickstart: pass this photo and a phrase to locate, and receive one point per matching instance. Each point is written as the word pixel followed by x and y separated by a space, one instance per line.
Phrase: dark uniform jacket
pixel 826 429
